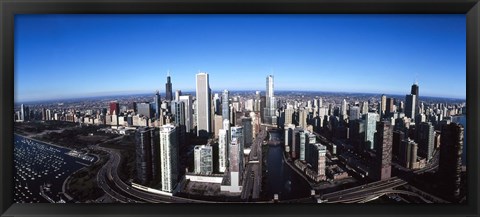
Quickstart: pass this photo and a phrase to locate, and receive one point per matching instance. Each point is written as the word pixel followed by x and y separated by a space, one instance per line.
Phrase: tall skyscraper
pixel 410 105
pixel 237 133
pixel 235 165
pixel 203 156
pixel 143 152
pixel 302 118
pixel 144 109
pixel 169 157
pixel 225 105
pixel 289 115
pixel 168 89
pixel 270 108
pixel 390 109
pixel 450 164
pixel 157 103
pixel 247 131
pixel 383 105
pixel 203 99
pixel 370 129
pixel 384 150
pixel 187 102
pixel 343 111
pixel 222 150
pixel 426 139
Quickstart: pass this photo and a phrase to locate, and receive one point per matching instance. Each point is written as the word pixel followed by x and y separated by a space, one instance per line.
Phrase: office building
pixel 354 113
pixel 383 105
pixel 144 109
pixel 157 103
pixel 318 159
pixel 168 89
pixel 188 104
pixel 169 157
pixel 410 105
pixel 370 129
pixel 143 152
pixel 114 108
pixel 247 131
pixel 426 139
pixel 203 100
pixel 450 164
pixel 222 149
pixel 384 150
pixel 203 156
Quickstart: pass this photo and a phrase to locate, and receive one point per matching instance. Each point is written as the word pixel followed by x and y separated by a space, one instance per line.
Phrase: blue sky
pixel 63 56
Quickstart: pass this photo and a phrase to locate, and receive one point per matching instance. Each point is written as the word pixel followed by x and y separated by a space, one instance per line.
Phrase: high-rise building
pixel 426 139
pixel 143 152
pixel 450 164
pixel 157 103
pixel 114 108
pixel 384 150
pixel 203 156
pixel 235 165
pixel 410 105
pixel 370 129
pixel 270 108
pixel 302 118
pixel 168 89
pixel 169 157
pixel 223 149
pixel 303 136
pixel 289 115
pixel 415 92
pixel 218 119
pixel 390 109
pixel 144 109
pixel 203 99
pixel 318 159
pixel 237 132
pixel 383 105
pixel 354 113
pixel 343 112
pixel 187 100
pixel 178 93
pixel 247 131
pixel 147 154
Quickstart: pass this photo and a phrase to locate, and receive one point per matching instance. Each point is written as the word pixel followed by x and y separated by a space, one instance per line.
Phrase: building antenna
pixel 416 79
pixel 168 73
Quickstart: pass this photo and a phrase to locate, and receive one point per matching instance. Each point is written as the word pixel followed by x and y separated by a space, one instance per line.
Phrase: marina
pixel 40 170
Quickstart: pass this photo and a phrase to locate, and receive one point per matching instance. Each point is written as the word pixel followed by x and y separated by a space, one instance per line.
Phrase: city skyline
pixel 67 56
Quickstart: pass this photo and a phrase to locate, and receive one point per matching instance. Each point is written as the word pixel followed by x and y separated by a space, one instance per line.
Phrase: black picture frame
pixel 8 9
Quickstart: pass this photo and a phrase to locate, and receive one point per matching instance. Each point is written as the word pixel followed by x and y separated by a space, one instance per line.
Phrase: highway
pixel 252 176
pixel 363 191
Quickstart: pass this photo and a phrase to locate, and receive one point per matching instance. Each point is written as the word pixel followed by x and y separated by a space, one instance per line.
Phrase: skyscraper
pixel 168 89
pixel 114 108
pixel 169 157
pixel 426 139
pixel 235 165
pixel 225 106
pixel 222 150
pixel 383 105
pixel 450 164
pixel 187 102
pixel 354 113
pixel 143 152
pixel 343 112
pixel 157 103
pixel 247 131
pixel 370 129
pixel 410 105
pixel 384 150
pixel 203 156
pixel 270 108
pixel 203 105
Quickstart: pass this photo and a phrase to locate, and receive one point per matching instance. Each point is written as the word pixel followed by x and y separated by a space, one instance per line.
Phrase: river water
pixel 281 179
pixel 36 164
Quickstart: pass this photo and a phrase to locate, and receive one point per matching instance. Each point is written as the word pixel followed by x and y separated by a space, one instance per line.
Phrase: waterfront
pixel 282 180
pixel 40 170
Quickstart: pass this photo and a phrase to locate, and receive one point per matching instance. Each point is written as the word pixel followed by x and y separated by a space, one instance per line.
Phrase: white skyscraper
pixel 222 150
pixel 187 100
pixel 203 99
pixel 344 108
pixel 270 108
pixel 370 129
pixel 168 157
